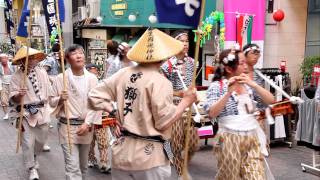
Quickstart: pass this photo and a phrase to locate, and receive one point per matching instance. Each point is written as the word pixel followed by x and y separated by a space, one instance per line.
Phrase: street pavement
pixel 284 162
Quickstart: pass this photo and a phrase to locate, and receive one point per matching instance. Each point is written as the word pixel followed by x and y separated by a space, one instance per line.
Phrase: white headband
pixel 251 48
pixel 180 34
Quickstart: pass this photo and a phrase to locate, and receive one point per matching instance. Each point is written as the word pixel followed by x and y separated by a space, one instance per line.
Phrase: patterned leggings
pixel 99 135
pixel 239 157
pixel 178 141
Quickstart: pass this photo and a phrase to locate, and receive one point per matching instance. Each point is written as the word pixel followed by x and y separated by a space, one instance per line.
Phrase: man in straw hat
pixel 79 82
pixel 145 109
pixel 35 93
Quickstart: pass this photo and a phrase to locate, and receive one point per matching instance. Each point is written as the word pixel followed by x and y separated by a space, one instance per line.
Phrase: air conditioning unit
pixel 93 9
pixel 82 13
pixel 272 5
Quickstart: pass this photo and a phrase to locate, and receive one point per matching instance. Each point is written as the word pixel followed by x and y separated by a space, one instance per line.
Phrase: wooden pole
pixel 196 57
pixel 24 79
pixel 65 88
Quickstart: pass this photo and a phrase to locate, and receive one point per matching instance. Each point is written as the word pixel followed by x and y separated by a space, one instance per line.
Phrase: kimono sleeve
pixel 54 93
pixel 93 116
pixel 165 70
pixel 101 96
pixel 15 85
pixel 162 106
pixel 213 95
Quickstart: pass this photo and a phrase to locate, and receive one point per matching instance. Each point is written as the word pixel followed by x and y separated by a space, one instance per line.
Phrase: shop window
pixel 314 6
pixel 313 29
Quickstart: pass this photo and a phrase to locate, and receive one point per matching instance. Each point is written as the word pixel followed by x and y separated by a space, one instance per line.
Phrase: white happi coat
pixel 77 106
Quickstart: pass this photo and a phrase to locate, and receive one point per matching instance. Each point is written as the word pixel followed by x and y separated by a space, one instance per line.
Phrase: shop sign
pixel 119 7
pixel 315 75
pixel 36 31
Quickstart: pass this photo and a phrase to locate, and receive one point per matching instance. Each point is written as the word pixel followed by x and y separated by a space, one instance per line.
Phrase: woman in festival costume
pixel 240 142
pixel 145 109
pixel 185 66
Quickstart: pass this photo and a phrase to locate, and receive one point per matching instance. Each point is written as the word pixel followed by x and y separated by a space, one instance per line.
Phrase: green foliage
pixel 306 67
pixel 5 47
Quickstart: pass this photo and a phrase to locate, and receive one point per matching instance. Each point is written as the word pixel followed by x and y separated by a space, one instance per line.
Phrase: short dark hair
pixel 112 47
pixel 71 49
pixel 55 47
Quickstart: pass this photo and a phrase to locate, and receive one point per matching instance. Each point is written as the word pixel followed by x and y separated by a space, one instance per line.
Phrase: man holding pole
pixel 34 95
pixel 78 83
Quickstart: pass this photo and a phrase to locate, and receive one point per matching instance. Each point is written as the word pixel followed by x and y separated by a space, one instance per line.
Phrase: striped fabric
pixel 33 79
pixel 186 74
pixel 217 89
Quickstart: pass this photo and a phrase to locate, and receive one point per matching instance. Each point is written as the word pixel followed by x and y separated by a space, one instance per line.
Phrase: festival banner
pixel 183 12
pixel 9 22
pixel 244 30
pixel 49 7
pixel 254 8
pixel 22 32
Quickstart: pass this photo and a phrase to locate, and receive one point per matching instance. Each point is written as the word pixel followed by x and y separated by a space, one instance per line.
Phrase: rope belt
pixel 166 143
pixel 31 108
pixel 73 121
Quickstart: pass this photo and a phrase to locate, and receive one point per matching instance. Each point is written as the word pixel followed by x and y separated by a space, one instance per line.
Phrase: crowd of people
pixel 141 88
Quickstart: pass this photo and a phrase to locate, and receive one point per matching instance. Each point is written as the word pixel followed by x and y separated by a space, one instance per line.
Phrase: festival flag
pixel 244 30
pixel 257 8
pixel 50 10
pixel 9 22
pixel 22 32
pixel 183 12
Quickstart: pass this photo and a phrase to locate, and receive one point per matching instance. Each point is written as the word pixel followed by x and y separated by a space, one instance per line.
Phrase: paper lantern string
pixel 216 18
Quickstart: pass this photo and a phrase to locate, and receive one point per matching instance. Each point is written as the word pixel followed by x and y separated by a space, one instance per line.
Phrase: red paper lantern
pixel 278 15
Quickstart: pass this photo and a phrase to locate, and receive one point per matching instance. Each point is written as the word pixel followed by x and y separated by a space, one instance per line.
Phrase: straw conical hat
pixel 22 54
pixel 154 46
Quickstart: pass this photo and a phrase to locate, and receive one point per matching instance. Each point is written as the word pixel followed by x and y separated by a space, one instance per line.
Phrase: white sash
pixel 243 123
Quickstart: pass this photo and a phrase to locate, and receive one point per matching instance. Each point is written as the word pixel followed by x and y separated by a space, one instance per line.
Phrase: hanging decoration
pixel 204 32
pixel 54 35
pixel 278 15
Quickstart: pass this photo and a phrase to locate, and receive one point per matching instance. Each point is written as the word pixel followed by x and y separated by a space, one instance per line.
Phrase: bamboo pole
pixel 196 57
pixel 24 79
pixel 65 88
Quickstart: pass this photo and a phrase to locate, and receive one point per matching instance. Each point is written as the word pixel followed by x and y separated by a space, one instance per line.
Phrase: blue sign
pixel 183 12
pixel 23 25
